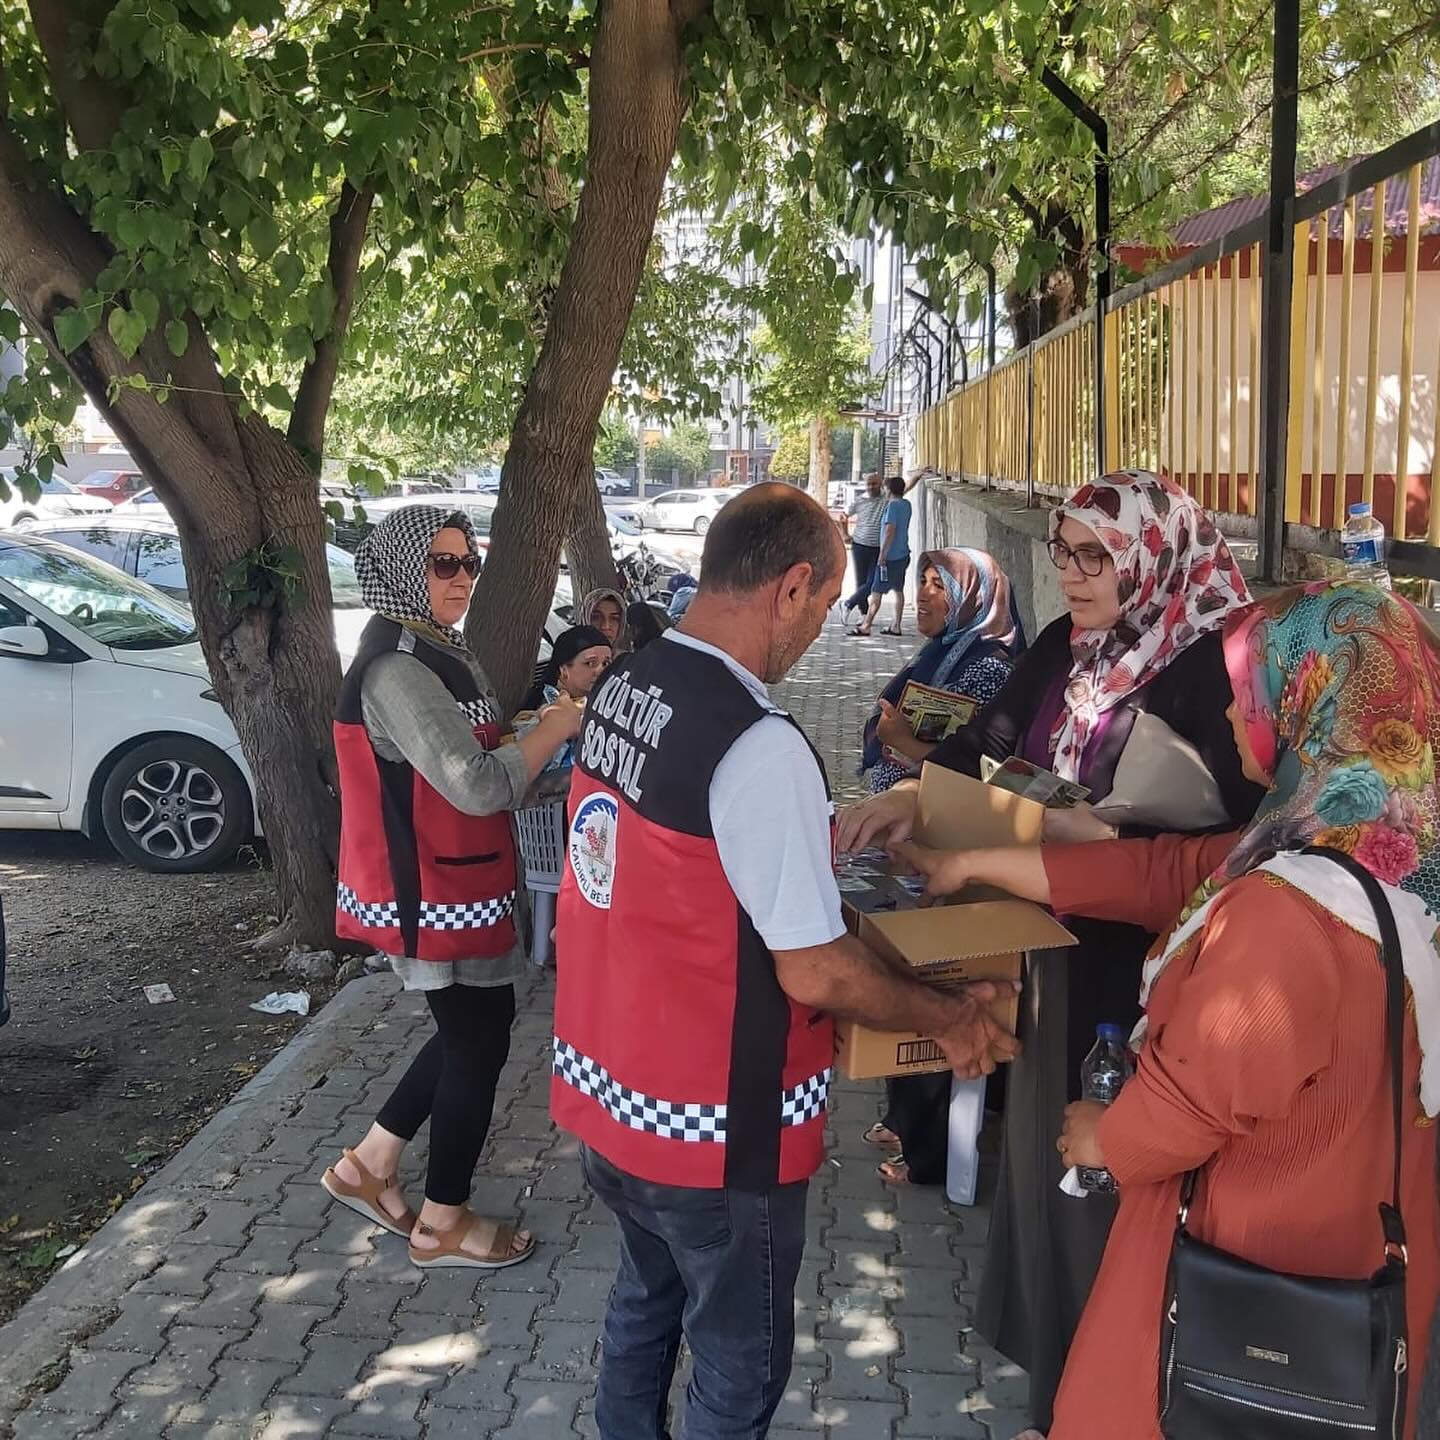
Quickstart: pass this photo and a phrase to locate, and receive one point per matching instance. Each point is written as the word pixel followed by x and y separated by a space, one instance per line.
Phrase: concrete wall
pixel 997 522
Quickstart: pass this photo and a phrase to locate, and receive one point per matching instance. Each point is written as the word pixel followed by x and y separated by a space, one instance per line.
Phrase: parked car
pixel 140 499
pixel 485 480
pixel 111 726
pixel 611 482
pixel 113 485
pixel 682 510
pixel 57 497
pixel 147 546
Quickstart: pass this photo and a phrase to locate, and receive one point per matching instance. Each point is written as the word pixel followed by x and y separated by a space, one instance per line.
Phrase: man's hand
pixel 1079 1142
pixel 976 1044
pixel 892 729
pixel 564 715
pixel 945 871
pixel 887 818
pixel 1077 824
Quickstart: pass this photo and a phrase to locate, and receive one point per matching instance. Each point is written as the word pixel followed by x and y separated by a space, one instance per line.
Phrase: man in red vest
pixel 701 956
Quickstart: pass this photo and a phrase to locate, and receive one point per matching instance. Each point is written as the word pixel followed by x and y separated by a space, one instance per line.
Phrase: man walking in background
pixel 701 954
pixel 893 563
pixel 863 524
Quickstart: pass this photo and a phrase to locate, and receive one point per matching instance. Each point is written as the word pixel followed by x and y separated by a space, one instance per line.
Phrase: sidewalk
pixel 230 1299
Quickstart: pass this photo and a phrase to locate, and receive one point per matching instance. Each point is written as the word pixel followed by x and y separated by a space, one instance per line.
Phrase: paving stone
pixel 199 1345
pixel 94 1376
pixel 597 1247
pixel 424 1350
pixel 260 1180
pixel 345 1233
pixel 927 1246
pixel 53 1425
pixel 544 1410
pixel 940 1405
pixel 583 1295
pixel 240 1389
pixel 796 1410
pixel 528 1122
pixel 224 1220
pixel 566 1350
pixel 279 1332
pixel 299 1145
pixel 303 1202
pixel 385 1412
pixel 857 1377
pixel 147 1410
pixel 366 1313
pixel 860 1419
pixel 301 1417
pixel 228 1304
pixel 483 1385
pixel 461 1425
pixel 935 1348
pixel 445 1292
pixel 332 1364
pixel 1001 1424
pixel 270 1250
pixel 140 1324
pixel 187 1270
pixel 928 1292
pixel 315 1280
pixel 560 1180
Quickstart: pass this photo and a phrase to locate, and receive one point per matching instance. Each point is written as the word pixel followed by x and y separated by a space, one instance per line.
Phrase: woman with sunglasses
pixel 428 874
pixel 1126 695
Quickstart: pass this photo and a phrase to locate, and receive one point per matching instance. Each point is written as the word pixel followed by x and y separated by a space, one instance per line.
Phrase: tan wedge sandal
pixel 451 1252
pixel 364 1198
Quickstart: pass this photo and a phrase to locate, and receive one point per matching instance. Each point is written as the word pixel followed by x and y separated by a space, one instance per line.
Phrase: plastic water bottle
pixel 1104 1070
pixel 1362 546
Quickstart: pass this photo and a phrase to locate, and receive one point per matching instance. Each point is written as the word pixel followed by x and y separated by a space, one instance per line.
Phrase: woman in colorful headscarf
pixel 972 632
pixel 1264 1060
pixel 1125 694
pixel 427 873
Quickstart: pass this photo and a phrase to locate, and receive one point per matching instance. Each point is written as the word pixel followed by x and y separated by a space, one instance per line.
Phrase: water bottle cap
pixel 1111 1032
pixel 1361 507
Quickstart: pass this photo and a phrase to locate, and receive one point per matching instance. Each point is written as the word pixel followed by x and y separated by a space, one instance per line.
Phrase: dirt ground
pixel 98 1087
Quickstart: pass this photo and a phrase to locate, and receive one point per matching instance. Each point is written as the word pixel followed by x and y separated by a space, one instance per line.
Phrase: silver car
pixel 691 510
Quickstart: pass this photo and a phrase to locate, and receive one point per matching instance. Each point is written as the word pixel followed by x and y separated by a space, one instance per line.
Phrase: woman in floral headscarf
pixel 1264 1061
pixel 1125 695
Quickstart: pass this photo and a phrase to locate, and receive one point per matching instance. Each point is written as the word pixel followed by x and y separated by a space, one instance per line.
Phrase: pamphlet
pixel 933 714
pixel 1020 777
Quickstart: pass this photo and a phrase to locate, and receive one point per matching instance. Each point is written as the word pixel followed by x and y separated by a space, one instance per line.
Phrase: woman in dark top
pixel 1125 694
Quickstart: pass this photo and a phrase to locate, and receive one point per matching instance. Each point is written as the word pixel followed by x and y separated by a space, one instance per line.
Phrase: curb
pixel 79 1298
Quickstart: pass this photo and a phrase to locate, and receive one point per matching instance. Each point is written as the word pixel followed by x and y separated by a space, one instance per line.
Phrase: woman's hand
pixel 892 731
pixel 945 871
pixel 564 715
pixel 1077 824
pixel 887 818
pixel 1079 1142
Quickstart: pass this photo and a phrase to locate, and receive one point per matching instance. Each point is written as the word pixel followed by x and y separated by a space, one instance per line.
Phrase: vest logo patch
pixel 592 848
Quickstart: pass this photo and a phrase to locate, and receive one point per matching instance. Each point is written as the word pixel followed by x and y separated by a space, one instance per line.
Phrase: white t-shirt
pixel 771 820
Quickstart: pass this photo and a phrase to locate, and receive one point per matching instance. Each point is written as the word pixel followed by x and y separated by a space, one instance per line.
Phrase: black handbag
pixel 1248 1353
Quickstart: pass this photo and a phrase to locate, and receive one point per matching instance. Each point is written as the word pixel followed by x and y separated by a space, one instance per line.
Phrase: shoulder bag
pixel 1248 1353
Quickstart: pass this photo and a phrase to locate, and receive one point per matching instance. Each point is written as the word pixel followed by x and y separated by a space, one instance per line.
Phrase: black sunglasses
pixel 1090 558
pixel 447 567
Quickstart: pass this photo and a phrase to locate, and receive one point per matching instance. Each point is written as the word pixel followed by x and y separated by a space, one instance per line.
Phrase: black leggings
pixel 452 1082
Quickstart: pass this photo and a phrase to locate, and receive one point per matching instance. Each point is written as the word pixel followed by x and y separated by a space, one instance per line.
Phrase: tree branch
pixel 91 106
pixel 317 384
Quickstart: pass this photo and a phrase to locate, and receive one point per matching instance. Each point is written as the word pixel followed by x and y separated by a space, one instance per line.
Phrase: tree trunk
pixel 637 76
pixel 592 562
pixel 820 459
pixel 234 487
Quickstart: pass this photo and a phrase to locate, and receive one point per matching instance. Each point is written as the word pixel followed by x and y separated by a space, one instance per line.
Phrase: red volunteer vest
pixel 417 876
pixel 677 1055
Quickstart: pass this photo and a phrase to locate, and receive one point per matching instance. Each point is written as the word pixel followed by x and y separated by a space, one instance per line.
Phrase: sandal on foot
pixel 894 1171
pixel 891 630
pixel 450 1251
pixel 882 1135
pixel 364 1198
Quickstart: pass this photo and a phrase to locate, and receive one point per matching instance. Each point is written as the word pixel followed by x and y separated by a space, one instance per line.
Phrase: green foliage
pixel 791 460
pixel 615 446
pixel 270 576
pixel 684 447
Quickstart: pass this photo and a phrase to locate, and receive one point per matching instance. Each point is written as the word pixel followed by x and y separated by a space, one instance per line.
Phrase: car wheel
pixel 702 524
pixel 176 805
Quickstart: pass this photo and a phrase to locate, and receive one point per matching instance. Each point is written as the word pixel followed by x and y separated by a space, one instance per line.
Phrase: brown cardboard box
pixel 972 937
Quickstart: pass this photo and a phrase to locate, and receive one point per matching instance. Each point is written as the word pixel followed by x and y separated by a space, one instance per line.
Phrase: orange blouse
pixel 1266 1064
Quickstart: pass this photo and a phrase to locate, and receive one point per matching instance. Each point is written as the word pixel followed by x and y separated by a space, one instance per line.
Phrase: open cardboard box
pixel 976 935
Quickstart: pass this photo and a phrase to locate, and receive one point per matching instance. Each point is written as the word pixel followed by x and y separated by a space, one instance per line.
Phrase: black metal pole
pixel 1279 276
pixel 990 316
pixel 1095 123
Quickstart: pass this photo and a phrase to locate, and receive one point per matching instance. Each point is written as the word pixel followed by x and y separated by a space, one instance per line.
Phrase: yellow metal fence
pixel 1183 361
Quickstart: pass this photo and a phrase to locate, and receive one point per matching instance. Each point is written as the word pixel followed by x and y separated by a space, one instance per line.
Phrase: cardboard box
pixel 976 935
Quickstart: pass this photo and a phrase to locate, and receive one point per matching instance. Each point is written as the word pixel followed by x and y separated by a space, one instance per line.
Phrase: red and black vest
pixel 677 1055
pixel 417 876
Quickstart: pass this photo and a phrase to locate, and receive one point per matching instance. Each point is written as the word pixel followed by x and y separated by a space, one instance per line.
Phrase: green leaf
pixel 199 156
pixel 264 235
pixel 9 325
pixel 74 327
pixel 127 330
pixel 277 397
pixel 146 304
pixel 177 337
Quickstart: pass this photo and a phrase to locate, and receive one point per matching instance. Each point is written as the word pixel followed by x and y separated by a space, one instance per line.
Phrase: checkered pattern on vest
pixel 476 915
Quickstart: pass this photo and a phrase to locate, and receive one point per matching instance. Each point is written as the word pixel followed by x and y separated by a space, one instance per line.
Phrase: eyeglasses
pixel 447 567
pixel 1090 559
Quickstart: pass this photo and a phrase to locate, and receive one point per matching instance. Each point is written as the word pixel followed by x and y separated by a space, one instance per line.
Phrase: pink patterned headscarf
pixel 1177 579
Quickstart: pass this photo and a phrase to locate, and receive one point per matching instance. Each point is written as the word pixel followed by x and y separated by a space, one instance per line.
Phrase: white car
pixel 146 544
pixel 57 498
pixel 691 510
pixel 611 482
pixel 111 726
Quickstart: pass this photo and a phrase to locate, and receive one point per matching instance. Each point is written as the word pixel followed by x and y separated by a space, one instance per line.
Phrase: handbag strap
pixel 1390 1215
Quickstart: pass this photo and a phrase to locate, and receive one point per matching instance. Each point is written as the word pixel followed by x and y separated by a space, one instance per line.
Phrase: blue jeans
pixel 719 1266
